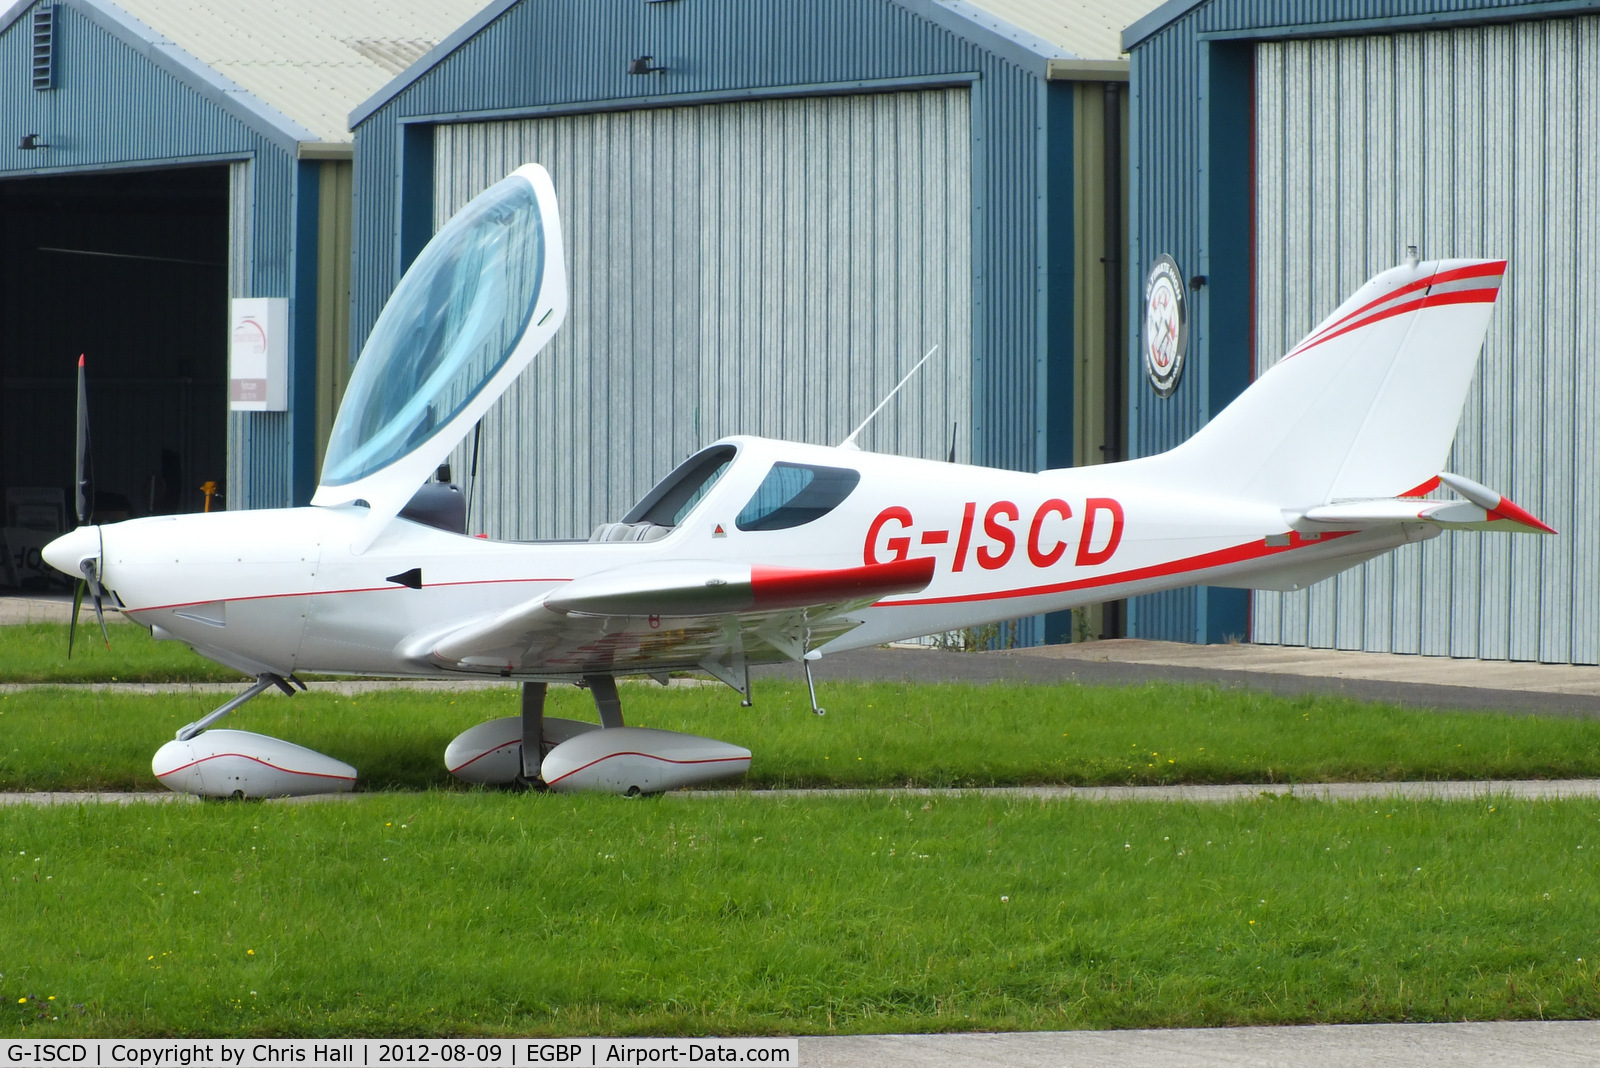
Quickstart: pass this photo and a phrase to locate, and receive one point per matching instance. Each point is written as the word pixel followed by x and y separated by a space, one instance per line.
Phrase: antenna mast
pixel 850 442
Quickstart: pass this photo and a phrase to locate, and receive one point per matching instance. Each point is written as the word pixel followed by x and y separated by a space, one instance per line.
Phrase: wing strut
pixel 805 662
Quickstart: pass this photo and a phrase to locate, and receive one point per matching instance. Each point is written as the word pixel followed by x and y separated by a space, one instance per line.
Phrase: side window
pixel 794 494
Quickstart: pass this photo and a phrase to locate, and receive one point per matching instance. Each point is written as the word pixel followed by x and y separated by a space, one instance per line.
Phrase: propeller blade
pixel 100 617
pixel 85 502
pixel 77 605
pixel 91 575
pixel 85 506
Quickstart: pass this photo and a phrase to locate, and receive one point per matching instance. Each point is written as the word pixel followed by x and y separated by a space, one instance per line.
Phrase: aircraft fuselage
pixel 283 591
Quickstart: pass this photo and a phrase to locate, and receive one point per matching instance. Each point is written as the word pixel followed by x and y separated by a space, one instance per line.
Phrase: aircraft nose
pixel 68 551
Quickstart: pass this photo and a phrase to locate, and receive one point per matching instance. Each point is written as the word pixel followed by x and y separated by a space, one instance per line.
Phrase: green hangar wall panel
pixel 1463 129
pixel 762 237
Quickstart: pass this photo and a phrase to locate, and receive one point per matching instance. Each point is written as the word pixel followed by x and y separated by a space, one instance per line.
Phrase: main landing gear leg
pixel 264 682
pixel 604 689
pixel 532 731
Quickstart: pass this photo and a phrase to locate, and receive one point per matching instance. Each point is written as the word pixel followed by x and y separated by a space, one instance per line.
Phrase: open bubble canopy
pixel 452 323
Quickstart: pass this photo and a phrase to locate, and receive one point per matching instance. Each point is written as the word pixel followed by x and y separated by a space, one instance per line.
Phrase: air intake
pixel 44 47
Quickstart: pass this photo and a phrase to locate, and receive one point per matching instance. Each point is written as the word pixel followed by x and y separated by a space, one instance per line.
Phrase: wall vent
pixel 44 47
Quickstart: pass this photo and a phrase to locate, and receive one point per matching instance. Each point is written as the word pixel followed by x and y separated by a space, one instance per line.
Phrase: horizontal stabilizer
pixel 1483 509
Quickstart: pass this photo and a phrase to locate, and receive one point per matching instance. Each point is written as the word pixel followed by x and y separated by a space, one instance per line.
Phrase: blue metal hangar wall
pixel 771 212
pixel 140 191
pixel 158 158
pixel 1282 154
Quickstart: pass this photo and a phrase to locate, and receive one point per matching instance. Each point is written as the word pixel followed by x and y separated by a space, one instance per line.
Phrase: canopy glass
pixel 453 321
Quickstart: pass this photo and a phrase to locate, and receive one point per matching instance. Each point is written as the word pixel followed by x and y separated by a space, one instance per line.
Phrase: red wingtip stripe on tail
pixel 1422 490
pixel 1493 269
pixel 1509 510
pixel 1438 300
pixel 1385 307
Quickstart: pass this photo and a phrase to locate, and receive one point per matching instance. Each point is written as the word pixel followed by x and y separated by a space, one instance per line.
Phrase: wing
pixel 660 617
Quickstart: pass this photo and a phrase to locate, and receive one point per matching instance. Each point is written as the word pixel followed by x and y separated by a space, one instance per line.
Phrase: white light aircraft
pixel 755 551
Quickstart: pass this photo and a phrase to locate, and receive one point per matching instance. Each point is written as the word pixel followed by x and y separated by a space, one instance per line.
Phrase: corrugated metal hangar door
pixel 768 267
pixel 1469 142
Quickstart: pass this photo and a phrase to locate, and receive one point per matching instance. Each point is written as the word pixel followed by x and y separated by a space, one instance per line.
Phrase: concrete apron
pixel 1533 1044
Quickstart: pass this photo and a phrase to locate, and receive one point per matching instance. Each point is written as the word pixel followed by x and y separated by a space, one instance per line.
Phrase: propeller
pixel 90 568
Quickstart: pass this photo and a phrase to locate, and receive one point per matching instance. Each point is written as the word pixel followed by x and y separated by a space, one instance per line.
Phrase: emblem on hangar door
pixel 1166 326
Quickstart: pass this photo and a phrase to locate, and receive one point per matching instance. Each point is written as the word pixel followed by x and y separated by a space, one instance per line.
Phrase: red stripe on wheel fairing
pixel 487 752
pixel 652 756
pixel 258 760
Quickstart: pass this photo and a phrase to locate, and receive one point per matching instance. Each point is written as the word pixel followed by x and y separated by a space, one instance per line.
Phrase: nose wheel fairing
pixel 229 763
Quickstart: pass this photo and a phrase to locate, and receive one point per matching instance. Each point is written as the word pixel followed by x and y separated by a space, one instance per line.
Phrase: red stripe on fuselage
pixel 330 593
pixel 1252 550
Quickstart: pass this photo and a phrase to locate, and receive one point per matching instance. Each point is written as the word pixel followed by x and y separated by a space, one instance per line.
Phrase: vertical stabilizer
pixel 1366 405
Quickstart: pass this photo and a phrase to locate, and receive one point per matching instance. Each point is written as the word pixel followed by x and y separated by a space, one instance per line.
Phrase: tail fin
pixel 1366 405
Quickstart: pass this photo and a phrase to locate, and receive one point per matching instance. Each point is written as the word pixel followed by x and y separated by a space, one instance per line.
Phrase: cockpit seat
pixel 438 504
pixel 629 532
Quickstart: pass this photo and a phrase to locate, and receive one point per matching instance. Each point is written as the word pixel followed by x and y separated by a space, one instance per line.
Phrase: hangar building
pixel 771 212
pixel 1284 153
pixel 157 158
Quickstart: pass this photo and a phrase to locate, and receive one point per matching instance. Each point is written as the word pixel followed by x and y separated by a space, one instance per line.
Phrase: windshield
pixel 677 494
pixel 453 321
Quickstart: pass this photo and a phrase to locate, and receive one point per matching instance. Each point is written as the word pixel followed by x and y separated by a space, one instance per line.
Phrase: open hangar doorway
pixel 129 268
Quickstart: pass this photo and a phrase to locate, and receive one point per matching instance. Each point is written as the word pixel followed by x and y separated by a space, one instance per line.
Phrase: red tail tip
pixel 1507 509
pixel 80 359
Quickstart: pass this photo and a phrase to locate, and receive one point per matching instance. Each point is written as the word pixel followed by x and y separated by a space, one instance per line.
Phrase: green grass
pixel 37 652
pixel 539 914
pixel 881 734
